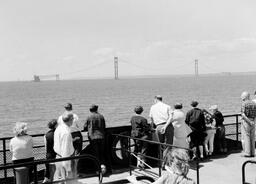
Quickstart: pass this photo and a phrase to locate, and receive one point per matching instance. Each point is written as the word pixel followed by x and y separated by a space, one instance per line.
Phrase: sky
pixel 79 38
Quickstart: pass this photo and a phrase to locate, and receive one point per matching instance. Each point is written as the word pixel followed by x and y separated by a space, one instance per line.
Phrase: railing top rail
pixel 44 161
pixel 32 135
pixel 231 115
pixel 40 135
pixel 153 142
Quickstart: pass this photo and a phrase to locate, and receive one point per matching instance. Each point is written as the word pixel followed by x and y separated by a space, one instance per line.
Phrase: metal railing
pixel 38 155
pixel 243 169
pixel 159 159
pixel 232 131
pixel 35 163
pixel 236 124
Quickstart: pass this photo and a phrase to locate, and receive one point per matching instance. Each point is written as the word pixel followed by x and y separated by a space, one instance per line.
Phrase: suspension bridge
pixel 116 63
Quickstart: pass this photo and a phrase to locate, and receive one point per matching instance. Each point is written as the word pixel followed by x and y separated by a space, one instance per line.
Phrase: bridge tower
pixel 116 67
pixel 196 68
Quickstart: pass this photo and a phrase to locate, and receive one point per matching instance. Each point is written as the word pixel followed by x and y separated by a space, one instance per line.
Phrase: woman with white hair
pixel 21 146
pixel 177 168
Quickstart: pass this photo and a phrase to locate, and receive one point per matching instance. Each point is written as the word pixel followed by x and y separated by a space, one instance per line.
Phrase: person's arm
pixel 170 120
pixel 244 117
pixel 187 118
pixel 151 119
pixel 86 125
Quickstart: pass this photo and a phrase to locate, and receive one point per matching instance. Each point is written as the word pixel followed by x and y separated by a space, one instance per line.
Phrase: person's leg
pixel 217 140
pixel 159 135
pixel 161 139
pixel 206 142
pixel 211 142
pixel 201 150
pixel 252 140
pixel 46 173
pixel 245 128
pixel 143 149
pixel 223 139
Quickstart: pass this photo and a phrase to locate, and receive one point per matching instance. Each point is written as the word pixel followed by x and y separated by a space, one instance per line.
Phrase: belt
pixel 161 124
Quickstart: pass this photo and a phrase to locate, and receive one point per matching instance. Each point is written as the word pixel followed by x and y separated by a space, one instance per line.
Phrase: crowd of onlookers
pixel 201 130
pixel 197 129
pixel 64 139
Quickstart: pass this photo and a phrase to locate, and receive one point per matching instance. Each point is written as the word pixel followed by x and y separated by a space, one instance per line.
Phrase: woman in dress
pixel 21 146
pixel 181 129
pixel 210 131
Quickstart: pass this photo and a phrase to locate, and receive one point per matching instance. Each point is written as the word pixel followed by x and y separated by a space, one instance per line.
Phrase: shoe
pixel 46 180
pixel 103 169
pixel 225 150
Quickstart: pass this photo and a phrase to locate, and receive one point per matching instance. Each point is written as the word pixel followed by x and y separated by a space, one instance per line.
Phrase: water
pixel 37 103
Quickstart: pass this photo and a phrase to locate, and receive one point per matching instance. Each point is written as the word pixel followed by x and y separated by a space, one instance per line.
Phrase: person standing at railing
pixel 63 146
pixel 159 115
pixel 50 153
pixel 210 131
pixel 195 120
pixel 76 134
pixel 248 114
pixel 95 124
pixel 21 147
pixel 140 129
pixel 219 140
pixel 182 131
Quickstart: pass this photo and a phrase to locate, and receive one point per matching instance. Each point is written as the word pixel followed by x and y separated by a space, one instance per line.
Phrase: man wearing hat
pixel 95 124
pixel 248 114
pixel 219 139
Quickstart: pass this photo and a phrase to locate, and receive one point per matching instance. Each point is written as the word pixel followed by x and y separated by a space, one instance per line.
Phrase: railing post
pixel 130 159
pixel 197 171
pixel 4 157
pixel 160 161
pixel 35 173
pixel 237 131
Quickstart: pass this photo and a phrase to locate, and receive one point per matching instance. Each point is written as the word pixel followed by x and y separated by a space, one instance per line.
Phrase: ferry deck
pixel 227 168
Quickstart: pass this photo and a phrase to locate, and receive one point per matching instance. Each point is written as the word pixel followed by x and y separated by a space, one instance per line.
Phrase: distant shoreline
pixel 149 76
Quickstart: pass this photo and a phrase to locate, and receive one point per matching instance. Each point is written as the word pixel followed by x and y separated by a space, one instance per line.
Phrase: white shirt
pixel 160 112
pixel 74 127
pixel 21 147
pixel 63 144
